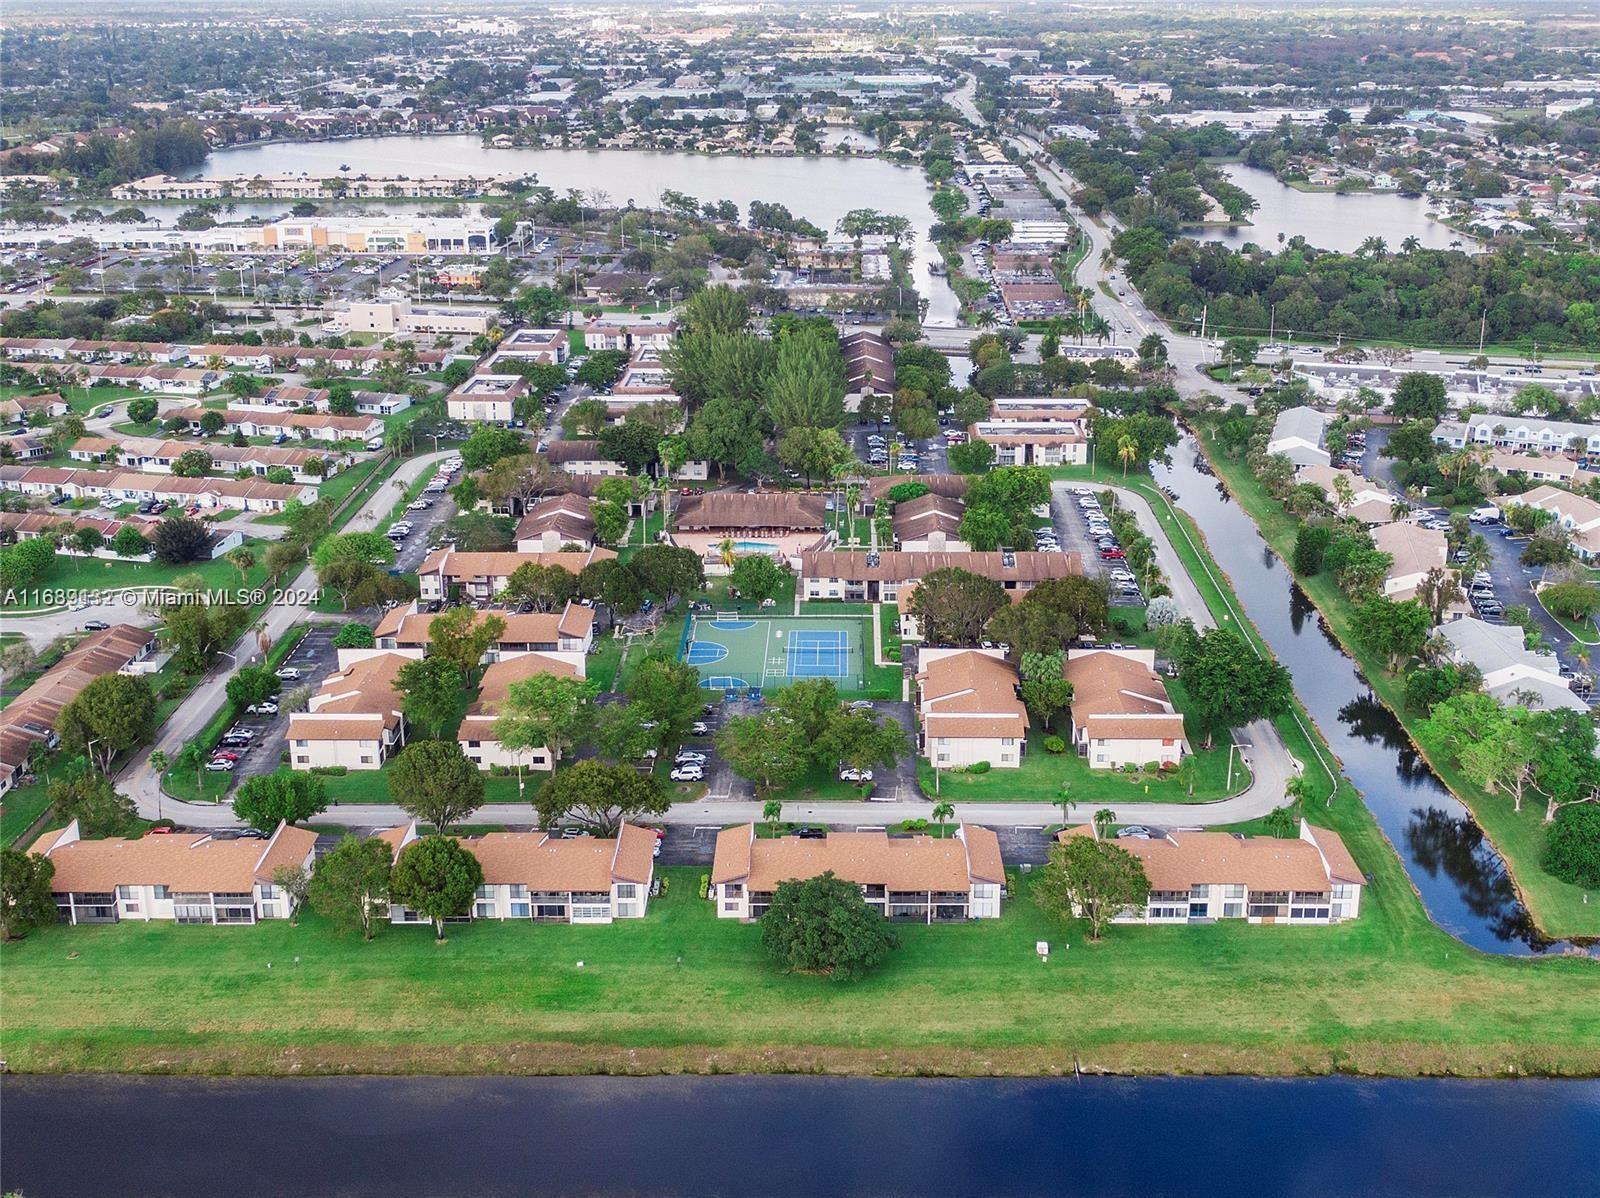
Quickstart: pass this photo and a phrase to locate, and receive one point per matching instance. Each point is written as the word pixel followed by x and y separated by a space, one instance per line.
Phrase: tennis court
pixel 736 652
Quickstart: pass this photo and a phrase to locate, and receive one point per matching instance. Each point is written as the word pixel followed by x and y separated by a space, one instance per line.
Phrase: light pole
pixel 1232 746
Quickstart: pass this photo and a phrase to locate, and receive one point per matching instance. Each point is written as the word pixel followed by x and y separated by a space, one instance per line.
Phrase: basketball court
pixel 741 653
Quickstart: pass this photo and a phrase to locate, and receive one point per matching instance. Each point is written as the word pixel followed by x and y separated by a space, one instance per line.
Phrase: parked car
pixel 850 774
pixel 95 625
pixel 219 766
pixel 688 773
pixel 270 707
pixel 700 728
pixel 288 673
pixel 689 757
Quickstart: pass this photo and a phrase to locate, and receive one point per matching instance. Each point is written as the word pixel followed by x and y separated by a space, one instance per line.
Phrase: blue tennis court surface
pixel 705 653
pixel 817 653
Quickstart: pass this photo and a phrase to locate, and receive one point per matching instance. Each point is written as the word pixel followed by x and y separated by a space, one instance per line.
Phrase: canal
pixel 1460 876
pixel 820 189
pixel 84 1137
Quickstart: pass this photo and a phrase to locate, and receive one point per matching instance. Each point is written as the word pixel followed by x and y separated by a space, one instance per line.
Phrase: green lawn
pixel 372 786
pixel 683 990
pixel 1557 907
pixel 1040 777
pixel 83 574
pixel 20 808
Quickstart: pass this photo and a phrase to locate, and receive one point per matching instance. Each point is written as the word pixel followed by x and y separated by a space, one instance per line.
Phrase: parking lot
pixel 314 657
pixel 872 443
pixel 1081 527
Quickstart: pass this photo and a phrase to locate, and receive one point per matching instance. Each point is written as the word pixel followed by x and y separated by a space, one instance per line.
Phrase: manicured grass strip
pixel 683 990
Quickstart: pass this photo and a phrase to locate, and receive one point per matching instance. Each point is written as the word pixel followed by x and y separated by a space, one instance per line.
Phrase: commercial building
pixel 402 318
pixel 910 879
pixel 1201 877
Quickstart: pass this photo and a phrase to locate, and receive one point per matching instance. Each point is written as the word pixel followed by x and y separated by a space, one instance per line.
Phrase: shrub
pixel 1054 744
pixel 1572 849
pixel 664 881
pixel 331 771
pixel 705 885
pixel 978 767
pixel 1129 768
pixel 1151 767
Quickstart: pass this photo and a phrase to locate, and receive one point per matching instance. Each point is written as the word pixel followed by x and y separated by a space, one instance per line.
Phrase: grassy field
pixel 682 990
pixel 1557 907
pixel 71 573
pixel 372 786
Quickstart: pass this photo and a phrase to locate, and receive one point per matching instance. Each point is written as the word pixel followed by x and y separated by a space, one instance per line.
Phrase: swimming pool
pixel 754 547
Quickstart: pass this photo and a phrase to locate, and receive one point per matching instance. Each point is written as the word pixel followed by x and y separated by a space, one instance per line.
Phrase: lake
pixel 1159 1137
pixel 1326 219
pixel 819 189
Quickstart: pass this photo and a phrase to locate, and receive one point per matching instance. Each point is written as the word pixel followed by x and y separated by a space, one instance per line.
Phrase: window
pixel 366 759
pixel 732 889
pixel 485 892
pixel 626 890
pixel 161 892
pixel 268 893
pixel 522 910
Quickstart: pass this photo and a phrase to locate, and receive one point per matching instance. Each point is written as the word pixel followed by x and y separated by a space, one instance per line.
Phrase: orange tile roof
pixel 1185 859
pixel 870 858
pixel 193 863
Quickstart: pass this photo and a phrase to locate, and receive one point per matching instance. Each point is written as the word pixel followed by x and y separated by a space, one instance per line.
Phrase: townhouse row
pixel 114 487
pixel 217 878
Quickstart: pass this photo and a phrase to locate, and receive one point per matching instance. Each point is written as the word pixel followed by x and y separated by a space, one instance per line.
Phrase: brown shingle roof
pixel 184 863
pixel 971 694
pixel 735 510
pixel 870 858
pixel 1185 859
pixel 906 567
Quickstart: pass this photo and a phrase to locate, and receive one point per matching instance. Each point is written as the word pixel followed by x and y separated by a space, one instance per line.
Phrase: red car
pixel 225 755
pixel 1111 555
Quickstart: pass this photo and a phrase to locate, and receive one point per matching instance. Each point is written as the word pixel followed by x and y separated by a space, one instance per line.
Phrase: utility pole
pixel 1272 325
pixel 1483 324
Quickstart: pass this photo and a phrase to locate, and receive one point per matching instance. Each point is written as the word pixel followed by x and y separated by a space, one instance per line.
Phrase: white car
pixel 854 775
pixel 220 766
pixel 268 708
pixel 701 728
pixel 419 505
pixel 288 673
pixel 689 758
pixel 688 773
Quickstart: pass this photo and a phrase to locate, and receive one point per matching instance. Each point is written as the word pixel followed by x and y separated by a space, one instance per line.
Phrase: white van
pixel 376 443
pixel 1487 514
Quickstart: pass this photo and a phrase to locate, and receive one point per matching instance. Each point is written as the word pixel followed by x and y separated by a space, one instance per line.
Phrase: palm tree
pixel 1411 245
pixel 1096 326
pixel 1373 247
pixel 243 560
pixel 725 548
pixel 1188 772
pixel 772 813
pixel 1127 453
pixel 1105 820
pixel 1153 348
pixel 943 812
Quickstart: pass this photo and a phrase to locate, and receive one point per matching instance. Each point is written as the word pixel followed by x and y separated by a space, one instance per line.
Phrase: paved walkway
pixel 143 783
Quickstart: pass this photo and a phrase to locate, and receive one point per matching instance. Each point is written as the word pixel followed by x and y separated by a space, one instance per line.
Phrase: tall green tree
pixel 436 878
pixel 350 884
pixel 823 925
pixel 1229 685
pixel 26 901
pixel 1090 879
pixel 435 783
pixel 431 690
pixel 600 796
pixel 288 795
pixel 543 712
pixel 113 713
